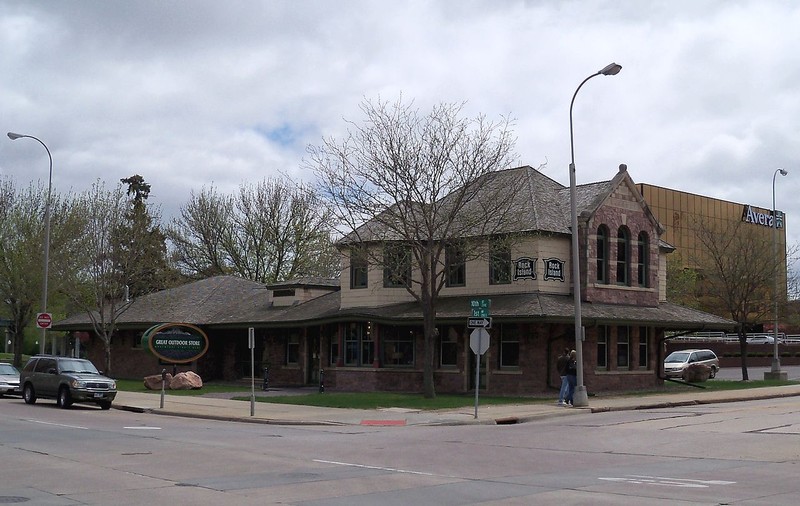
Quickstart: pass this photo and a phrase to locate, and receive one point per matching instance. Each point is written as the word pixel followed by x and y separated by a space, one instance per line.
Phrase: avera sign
pixel 177 343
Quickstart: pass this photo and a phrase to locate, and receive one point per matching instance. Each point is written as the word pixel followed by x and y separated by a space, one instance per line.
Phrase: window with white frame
pixel 448 347
pixel 499 263
pixel 602 347
pixel 293 348
pixel 623 347
pixel 396 265
pixel 359 348
pixel 455 265
pixel 398 346
pixel 509 345
pixel 644 347
pixel 359 267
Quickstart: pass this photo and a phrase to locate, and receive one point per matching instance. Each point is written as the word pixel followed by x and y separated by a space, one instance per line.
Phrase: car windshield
pixel 78 366
pixel 677 357
pixel 8 369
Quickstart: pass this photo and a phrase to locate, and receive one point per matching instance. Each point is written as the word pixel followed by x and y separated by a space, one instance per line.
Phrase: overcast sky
pixel 190 94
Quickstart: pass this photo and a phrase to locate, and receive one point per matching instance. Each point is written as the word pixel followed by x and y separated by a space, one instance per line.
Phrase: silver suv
pixel 66 380
pixel 677 362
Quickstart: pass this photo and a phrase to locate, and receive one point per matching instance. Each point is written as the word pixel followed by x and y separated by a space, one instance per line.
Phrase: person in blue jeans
pixel 572 377
pixel 561 367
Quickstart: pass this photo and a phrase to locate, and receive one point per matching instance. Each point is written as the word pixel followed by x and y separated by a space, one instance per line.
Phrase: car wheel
pixel 64 399
pixel 104 405
pixel 713 372
pixel 28 394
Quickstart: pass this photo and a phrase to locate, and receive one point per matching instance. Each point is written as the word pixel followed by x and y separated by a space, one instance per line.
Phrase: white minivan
pixel 676 362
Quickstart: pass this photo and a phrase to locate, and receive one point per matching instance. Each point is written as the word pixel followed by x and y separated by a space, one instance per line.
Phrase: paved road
pixel 731 453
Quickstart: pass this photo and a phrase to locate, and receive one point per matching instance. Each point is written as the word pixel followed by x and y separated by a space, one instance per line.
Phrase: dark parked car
pixel 66 380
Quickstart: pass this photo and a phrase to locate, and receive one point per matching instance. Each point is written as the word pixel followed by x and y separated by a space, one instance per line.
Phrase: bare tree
pixel 738 272
pixel 102 265
pixel 408 185
pixel 197 237
pixel 270 231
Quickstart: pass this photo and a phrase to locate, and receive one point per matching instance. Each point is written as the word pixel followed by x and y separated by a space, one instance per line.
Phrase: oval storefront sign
pixel 175 342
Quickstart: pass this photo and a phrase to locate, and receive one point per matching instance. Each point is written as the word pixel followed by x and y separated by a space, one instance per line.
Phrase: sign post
pixel 251 342
pixel 479 338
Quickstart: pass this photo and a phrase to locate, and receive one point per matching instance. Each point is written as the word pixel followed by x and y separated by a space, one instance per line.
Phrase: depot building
pixel 363 331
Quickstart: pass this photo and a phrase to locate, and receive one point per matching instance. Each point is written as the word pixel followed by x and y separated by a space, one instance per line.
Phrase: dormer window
pixel 283 292
pixel 396 266
pixel 358 268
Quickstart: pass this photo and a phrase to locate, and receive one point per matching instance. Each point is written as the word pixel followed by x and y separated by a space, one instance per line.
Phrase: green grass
pixel 375 400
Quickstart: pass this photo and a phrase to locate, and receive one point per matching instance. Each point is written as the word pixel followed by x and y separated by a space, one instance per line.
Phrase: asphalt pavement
pixel 217 408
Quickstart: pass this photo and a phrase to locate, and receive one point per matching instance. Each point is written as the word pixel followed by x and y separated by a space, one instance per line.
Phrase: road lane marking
pixel 143 428
pixel 638 479
pixel 378 468
pixel 60 425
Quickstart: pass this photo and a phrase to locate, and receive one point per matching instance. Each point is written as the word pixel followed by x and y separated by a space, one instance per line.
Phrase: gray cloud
pixel 204 92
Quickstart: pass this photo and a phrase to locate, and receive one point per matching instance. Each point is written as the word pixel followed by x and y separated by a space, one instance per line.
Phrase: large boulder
pixel 697 373
pixel 186 381
pixel 154 382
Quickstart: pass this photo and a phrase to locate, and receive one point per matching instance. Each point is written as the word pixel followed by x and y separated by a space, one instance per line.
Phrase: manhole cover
pixel 10 499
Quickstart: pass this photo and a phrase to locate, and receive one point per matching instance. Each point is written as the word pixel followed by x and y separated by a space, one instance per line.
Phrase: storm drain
pixel 10 499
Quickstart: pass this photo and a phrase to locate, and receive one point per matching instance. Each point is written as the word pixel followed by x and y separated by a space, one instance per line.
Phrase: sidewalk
pixel 287 414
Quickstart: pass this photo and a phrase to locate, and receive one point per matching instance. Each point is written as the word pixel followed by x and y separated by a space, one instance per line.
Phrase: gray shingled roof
pixel 539 204
pixel 201 303
pixel 227 301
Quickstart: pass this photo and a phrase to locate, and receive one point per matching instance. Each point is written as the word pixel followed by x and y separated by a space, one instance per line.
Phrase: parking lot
pixel 756 373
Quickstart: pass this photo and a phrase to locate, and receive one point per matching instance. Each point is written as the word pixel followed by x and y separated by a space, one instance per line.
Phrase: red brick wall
pixel 636 221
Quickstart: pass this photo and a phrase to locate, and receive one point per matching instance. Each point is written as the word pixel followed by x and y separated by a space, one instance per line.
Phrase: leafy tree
pixel 270 231
pixel 22 214
pixel 682 282
pixel 406 183
pixel 738 273
pixel 143 244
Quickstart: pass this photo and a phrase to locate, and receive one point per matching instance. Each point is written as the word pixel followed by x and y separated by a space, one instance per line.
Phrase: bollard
pixel 265 385
pixel 321 381
pixel 163 386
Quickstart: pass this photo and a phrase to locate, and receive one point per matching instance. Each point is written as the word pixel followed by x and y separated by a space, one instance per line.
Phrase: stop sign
pixel 479 341
pixel 44 320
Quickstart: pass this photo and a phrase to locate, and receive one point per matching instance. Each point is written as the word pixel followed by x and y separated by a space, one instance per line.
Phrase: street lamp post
pixel 13 137
pixel 580 397
pixel 775 371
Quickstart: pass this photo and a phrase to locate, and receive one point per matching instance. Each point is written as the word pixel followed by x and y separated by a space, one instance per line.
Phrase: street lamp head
pixel 783 172
pixel 611 69
pixel 13 136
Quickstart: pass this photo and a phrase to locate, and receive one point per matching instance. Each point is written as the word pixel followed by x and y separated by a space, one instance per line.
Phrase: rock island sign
pixel 177 343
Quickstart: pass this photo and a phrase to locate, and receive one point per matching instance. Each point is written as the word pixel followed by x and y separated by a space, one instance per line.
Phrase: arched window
pixel 643 260
pixel 623 257
pixel 602 254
